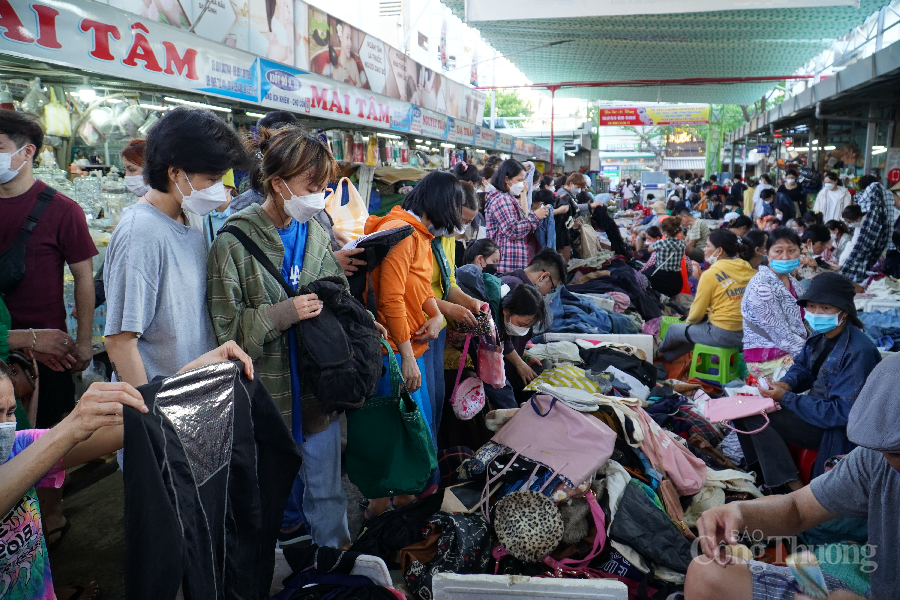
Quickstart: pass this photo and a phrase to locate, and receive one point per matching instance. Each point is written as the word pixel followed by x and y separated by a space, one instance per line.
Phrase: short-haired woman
pixel 507 222
pixel 249 306
pixel 833 198
pixel 155 271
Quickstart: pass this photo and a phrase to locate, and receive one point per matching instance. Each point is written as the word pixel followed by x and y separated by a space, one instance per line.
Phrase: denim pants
pixel 769 447
pixel 317 499
pixel 434 375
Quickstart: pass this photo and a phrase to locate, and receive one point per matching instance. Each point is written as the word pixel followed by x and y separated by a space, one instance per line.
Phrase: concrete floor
pixel 92 549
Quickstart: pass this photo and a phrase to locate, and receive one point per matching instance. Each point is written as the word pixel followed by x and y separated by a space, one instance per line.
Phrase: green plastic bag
pixel 389 447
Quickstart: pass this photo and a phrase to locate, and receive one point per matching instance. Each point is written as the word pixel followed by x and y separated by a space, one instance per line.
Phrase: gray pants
pixel 680 339
pixel 769 447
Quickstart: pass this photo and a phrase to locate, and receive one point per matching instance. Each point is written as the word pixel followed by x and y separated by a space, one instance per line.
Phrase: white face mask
pixel 7 439
pixel 516 331
pixel 7 173
pixel 136 185
pixel 202 202
pixel 779 215
pixel 712 259
pixel 516 189
pixel 302 208
pixel 790 181
pixel 552 188
pixel 829 186
pixel 576 191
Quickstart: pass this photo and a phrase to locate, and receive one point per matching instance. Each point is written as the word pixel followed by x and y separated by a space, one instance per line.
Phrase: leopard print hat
pixel 528 524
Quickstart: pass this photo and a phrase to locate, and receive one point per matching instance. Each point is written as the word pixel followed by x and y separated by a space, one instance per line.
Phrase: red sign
pixel 894 175
pixel 655 115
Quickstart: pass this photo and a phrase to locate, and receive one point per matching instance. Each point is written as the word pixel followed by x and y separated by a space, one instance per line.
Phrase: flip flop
pixel 62 531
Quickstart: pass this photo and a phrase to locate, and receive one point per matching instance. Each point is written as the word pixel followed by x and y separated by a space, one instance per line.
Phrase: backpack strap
pixel 31 221
pixel 260 256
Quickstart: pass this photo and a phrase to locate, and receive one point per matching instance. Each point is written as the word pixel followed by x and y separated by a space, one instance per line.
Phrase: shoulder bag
pixel 12 261
pixel 720 410
pixel 467 400
pixel 389 448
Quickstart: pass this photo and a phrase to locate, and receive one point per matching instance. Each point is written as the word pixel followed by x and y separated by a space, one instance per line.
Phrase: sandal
pixel 88 591
pixel 62 531
pixel 368 515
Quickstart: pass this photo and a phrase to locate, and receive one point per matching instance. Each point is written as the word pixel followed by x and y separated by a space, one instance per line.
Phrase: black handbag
pixel 12 261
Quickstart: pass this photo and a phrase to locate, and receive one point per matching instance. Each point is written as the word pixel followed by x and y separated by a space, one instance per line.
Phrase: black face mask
pixel 490 269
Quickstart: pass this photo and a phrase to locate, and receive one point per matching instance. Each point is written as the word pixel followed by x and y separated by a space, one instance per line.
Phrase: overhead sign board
pixel 654 115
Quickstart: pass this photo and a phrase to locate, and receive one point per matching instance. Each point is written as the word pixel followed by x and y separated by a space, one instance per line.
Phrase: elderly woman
pixel 773 324
pixel 833 366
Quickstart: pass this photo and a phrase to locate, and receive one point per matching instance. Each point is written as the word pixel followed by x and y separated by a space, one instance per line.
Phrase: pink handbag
pixel 467 399
pixel 686 472
pixel 490 360
pixel 573 444
pixel 720 410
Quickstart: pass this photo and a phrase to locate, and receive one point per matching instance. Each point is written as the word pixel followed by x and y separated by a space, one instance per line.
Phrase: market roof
pixel 732 43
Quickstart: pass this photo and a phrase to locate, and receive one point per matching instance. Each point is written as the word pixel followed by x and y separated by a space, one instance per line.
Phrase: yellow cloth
pixel 567 376
pixel 228 179
pixel 748 201
pixel 437 284
pixel 719 293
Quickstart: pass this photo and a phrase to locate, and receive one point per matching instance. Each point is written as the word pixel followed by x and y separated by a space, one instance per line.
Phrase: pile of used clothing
pixel 602 473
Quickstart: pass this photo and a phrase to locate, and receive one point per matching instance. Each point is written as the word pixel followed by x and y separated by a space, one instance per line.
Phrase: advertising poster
pixel 401 82
pixel 272 29
pixel 655 115
pixel 301 35
pixel 334 50
pixel 442 47
pixel 451 129
pixel 215 22
pixel 168 12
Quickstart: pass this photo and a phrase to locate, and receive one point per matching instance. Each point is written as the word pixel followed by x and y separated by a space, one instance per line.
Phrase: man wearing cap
pixel 833 366
pixel 866 483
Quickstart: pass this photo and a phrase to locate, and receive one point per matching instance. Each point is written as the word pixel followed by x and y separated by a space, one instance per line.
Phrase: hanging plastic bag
pixel 34 99
pixel 350 219
pixel 57 120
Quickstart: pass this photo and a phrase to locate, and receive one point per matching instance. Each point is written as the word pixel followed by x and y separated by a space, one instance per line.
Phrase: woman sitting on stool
pixel 833 366
pixel 719 295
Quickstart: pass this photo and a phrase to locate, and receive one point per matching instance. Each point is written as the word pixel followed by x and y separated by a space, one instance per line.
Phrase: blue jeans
pixel 317 499
pixel 434 375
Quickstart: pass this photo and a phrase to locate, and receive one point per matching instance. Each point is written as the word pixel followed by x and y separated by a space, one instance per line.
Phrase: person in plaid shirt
pixel 507 223
pixel 664 267
pixel 875 231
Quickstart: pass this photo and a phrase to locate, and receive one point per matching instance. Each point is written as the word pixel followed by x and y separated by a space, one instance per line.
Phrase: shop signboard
pixel 892 166
pixel 763 149
pixel 434 125
pixel 82 34
pixel 487 137
pixel 465 133
pixel 451 129
pixel 504 142
pixel 655 115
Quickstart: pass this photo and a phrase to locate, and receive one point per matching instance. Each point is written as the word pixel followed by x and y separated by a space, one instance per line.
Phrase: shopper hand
pixel 382 330
pixel 227 351
pixel 461 314
pixel 101 406
pixel 84 354
pixel 781 384
pixel 340 236
pixel 429 331
pixel 55 363
pixel 718 526
pixel 542 212
pixel 307 306
pixel 525 372
pixel 411 374
pixel 348 263
pixel 53 341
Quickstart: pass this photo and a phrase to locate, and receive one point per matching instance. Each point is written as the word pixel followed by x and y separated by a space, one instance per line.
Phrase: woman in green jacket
pixel 249 306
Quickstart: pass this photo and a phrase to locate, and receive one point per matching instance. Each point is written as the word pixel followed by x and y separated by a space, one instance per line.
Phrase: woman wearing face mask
pixel 155 270
pixel 755 243
pixel 715 317
pixel 840 238
pixel 759 206
pixel 133 161
pixel 852 216
pixel 833 365
pixel 524 310
pixel 791 188
pixel 833 198
pixel 484 254
pixel 507 222
pixel 773 324
pixel 816 255
pixel 249 306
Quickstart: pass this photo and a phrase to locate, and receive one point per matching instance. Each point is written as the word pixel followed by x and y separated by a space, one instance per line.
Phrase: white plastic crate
pixel 450 586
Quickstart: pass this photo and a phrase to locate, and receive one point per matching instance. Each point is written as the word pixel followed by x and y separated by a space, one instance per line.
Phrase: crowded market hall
pixel 439 300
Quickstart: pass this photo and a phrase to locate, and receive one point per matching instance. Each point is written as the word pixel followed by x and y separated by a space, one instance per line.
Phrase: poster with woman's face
pixel 272 29
pixel 401 82
pixel 169 12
